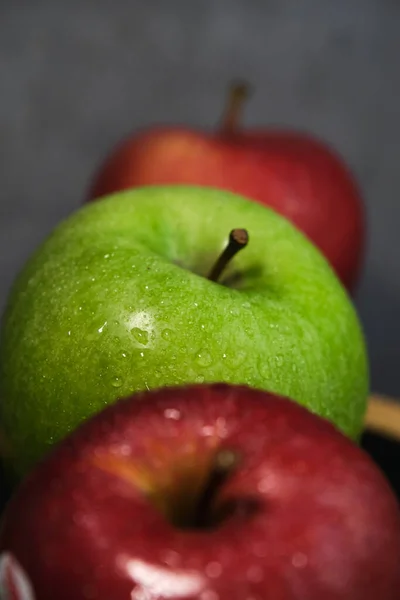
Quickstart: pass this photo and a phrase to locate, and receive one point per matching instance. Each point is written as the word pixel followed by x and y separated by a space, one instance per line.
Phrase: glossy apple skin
pixel 311 516
pixel 298 175
pixel 110 305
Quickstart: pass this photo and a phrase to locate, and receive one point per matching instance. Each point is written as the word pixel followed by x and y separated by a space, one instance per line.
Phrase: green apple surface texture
pixel 117 300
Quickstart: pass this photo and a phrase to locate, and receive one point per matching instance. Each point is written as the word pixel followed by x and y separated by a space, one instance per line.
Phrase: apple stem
pixel 237 95
pixel 224 463
pixel 238 239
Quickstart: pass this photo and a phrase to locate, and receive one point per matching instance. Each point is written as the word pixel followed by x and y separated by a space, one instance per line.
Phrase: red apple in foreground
pixel 209 492
pixel 295 173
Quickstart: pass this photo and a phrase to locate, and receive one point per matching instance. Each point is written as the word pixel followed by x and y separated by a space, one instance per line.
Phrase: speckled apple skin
pixel 311 516
pixel 115 301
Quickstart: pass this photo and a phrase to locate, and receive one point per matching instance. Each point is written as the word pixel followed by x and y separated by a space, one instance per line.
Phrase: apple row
pixel 184 379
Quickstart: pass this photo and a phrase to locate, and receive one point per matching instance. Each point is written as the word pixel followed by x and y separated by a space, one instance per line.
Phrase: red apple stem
pixel 237 96
pixel 238 239
pixel 224 463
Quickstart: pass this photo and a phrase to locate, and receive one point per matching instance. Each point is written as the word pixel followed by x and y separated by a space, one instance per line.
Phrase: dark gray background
pixel 76 76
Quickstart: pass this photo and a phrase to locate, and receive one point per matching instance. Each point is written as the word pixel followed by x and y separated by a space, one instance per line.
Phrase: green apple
pixel 117 300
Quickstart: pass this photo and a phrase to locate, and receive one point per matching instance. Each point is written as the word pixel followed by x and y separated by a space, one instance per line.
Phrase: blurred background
pixel 77 76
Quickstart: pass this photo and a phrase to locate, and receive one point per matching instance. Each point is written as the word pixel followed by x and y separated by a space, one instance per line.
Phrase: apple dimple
pixel 180 485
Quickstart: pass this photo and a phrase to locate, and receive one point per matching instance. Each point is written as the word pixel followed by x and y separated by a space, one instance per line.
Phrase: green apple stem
pixel 238 94
pixel 238 239
pixel 224 463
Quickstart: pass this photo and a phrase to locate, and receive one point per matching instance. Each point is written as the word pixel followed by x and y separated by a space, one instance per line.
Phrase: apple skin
pixel 297 174
pixel 310 515
pixel 115 301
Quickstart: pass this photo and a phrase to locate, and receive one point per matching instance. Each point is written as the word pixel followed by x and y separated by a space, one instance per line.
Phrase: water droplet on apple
pixel 140 335
pixel 234 360
pixel 246 305
pixel 172 413
pixel 124 449
pixel 167 334
pixel 199 379
pixel 279 359
pixel 203 358
pixel 117 381
pixel 101 329
pixel 106 256
pixel 208 430
pixel 264 370
pixel 124 354
pixel 213 570
pixel 299 560
pixel 267 484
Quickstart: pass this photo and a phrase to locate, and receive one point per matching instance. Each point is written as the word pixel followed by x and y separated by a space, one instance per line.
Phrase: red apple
pixel 295 173
pixel 207 492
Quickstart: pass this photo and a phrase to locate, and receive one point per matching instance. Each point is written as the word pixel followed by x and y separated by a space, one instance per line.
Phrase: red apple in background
pixel 207 492
pixel 296 174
